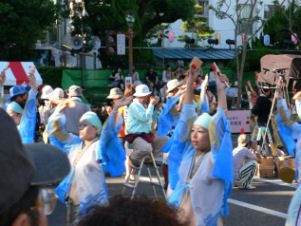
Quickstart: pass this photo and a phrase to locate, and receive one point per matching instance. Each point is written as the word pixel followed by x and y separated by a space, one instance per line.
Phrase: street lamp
pixel 130 19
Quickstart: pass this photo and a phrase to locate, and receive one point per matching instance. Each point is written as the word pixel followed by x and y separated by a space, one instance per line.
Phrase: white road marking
pixel 257 208
pixel 275 181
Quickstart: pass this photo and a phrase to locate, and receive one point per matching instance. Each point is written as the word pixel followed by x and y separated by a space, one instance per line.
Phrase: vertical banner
pixel 120 44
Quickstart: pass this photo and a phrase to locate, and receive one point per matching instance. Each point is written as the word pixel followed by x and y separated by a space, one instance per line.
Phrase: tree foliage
pixel 22 24
pixel 196 25
pixel 283 24
pixel 109 15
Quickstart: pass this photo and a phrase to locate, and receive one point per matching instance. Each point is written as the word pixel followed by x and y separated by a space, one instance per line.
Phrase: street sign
pixel 120 44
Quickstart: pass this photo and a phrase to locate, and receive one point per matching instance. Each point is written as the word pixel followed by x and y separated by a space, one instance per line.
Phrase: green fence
pixel 96 82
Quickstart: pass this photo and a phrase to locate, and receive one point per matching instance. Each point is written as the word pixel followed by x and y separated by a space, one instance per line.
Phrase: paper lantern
pixel 294 39
pixel 171 36
pixel 266 40
pixel 244 38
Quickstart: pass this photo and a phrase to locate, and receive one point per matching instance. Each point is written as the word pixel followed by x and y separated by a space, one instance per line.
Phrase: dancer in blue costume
pixel 90 156
pixel 200 160
pixel 25 119
pixel 290 133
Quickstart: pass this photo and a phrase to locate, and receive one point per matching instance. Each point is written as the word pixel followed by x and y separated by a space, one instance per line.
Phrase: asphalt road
pixel 266 205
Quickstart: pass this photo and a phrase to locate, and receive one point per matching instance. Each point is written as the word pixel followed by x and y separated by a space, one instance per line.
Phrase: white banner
pixel 239 119
pixel 120 44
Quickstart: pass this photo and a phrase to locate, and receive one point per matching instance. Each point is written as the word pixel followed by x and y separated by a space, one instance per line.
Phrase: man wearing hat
pixel 245 163
pixel 139 122
pixel 19 94
pixel 28 172
pixel 75 112
pixel 115 95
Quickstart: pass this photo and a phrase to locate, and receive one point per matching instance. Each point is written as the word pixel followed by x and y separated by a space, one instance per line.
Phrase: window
pixel 245 14
pixel 269 11
pixel 205 7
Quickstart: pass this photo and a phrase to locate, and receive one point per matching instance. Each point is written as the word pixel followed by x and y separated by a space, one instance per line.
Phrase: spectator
pixel 152 79
pixel 126 212
pixel 166 74
pixel 75 112
pixel 245 163
pixel 116 78
pixel 115 95
pixel 45 108
pixel 136 79
pixel 27 172
pixel 139 122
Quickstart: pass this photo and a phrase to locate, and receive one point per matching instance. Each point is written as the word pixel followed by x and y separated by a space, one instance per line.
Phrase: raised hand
pixel 205 82
pixel 3 75
pixel 32 78
pixel 222 81
pixel 154 100
pixel 122 102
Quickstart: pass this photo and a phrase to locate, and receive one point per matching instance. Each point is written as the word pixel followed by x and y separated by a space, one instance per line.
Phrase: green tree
pixel 22 24
pixel 243 16
pixel 283 24
pixel 99 16
pixel 196 25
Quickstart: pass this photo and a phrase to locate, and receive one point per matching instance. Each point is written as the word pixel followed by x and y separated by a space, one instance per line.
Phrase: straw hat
pixel 115 93
pixel 142 91
pixel 46 92
pixel 172 84
pixel 242 140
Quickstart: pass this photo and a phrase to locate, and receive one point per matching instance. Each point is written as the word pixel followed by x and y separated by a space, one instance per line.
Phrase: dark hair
pixel 126 212
pixel 19 95
pixel 28 200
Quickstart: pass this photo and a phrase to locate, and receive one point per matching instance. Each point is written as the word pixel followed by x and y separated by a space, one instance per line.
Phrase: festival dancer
pixel 200 160
pixel 290 133
pixel 91 156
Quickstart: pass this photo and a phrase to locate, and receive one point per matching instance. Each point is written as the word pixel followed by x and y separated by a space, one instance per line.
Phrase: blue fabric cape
pixel 28 120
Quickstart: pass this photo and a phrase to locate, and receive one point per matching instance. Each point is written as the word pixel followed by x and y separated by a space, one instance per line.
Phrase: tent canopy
pixel 291 64
pixel 17 73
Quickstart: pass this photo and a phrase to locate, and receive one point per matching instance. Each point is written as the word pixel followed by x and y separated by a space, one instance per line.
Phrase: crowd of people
pixel 56 146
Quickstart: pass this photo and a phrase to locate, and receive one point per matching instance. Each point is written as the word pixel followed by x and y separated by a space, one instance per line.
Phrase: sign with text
pixel 128 81
pixel 120 44
pixel 239 119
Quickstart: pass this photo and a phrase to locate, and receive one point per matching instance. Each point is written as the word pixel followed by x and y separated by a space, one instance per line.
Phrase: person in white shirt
pixel 245 163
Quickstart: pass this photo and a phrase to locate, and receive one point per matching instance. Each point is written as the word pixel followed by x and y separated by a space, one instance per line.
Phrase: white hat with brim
pixel 242 140
pixel 46 92
pixel 115 93
pixel 142 91
pixel 173 84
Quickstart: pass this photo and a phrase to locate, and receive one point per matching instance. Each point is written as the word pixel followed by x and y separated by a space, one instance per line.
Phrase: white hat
pixel 142 91
pixel 46 92
pixel 172 84
pixel 242 140
pixel 115 93
pixel 57 94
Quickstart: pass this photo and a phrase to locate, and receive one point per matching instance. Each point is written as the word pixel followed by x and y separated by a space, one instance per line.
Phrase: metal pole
pixel 83 68
pixel 130 51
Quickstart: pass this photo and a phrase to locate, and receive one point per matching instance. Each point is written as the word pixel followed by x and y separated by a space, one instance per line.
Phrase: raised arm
pixel 221 93
pixel 193 75
pixel 32 78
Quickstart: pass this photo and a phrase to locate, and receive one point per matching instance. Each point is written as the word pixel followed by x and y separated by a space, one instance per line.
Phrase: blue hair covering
pixel 14 106
pixel 92 118
pixel 203 120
